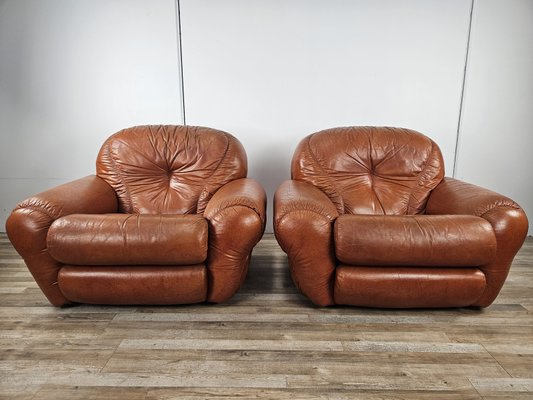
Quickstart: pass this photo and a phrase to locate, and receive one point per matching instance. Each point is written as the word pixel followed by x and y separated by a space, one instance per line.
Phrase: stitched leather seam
pixel 420 176
pixel 208 179
pixel 42 210
pixel 121 178
pixel 282 217
pixel 332 185
pixel 210 217
pixel 106 146
pixel 151 138
pixel 496 207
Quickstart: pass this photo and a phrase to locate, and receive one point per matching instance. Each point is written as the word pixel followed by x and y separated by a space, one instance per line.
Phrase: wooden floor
pixel 269 342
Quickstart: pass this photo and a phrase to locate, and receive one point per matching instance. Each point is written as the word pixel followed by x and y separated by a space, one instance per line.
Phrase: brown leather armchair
pixel 169 218
pixel 368 219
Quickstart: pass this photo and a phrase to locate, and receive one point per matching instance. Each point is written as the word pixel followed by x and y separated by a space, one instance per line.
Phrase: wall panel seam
pixel 458 134
pixel 180 60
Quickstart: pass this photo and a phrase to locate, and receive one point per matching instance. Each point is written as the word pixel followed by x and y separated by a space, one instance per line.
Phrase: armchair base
pixel 134 285
pixel 408 287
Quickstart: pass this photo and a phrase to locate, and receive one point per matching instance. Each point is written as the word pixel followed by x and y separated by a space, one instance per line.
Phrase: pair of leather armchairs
pixel 367 219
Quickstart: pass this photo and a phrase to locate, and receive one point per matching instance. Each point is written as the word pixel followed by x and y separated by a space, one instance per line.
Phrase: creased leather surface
pixel 27 226
pixel 303 224
pixel 163 169
pixel 133 284
pixel 507 218
pixel 404 287
pixel 380 181
pixel 370 170
pixel 160 179
pixel 422 240
pixel 236 216
pixel 129 239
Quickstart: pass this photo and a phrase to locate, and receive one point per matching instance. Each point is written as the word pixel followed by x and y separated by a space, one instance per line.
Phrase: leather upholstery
pixel 128 239
pixel 169 169
pixel 303 224
pixel 404 287
pixel 236 216
pixel 27 226
pixel 134 284
pixel 370 170
pixel 368 219
pixel 422 240
pixel 170 219
pixel 507 219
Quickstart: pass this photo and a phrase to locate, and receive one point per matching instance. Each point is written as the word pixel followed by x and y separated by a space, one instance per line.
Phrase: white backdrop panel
pixel 273 71
pixel 496 138
pixel 71 74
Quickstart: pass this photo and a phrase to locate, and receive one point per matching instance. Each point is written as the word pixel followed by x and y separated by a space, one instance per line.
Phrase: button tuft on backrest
pixel 166 169
pixel 371 170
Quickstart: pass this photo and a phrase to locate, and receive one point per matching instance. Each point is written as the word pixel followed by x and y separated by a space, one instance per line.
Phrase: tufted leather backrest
pixel 370 170
pixel 165 169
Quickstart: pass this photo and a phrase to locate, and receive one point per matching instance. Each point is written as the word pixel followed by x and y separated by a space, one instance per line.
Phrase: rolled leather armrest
pixel 27 226
pixel 236 216
pixel 303 224
pixel 507 218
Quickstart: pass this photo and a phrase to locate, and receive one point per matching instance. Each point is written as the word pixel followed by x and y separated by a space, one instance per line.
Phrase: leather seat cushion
pixel 404 287
pixel 421 240
pixel 129 239
pixel 133 284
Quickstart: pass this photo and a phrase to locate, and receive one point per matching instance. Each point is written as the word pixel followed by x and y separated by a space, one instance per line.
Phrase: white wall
pixel 269 71
pixel 496 136
pixel 72 73
pixel 273 71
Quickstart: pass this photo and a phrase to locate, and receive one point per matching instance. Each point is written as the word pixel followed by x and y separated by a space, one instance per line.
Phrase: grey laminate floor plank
pixel 268 342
